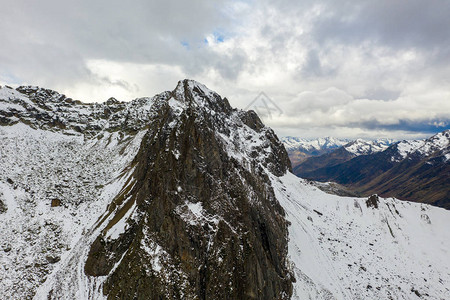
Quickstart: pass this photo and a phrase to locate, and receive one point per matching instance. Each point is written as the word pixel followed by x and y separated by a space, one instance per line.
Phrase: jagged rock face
pixel 50 110
pixel 208 224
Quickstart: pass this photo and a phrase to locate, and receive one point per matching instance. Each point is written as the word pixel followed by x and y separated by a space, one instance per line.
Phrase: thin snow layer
pixel 121 226
pixel 38 168
pixel 193 213
pixel 342 249
pixel 49 108
pixel 68 280
pixel 10 94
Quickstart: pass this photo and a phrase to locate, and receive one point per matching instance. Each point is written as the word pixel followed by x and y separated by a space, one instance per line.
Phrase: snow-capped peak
pixel 362 147
pixel 105 216
pixel 439 142
pixel 294 143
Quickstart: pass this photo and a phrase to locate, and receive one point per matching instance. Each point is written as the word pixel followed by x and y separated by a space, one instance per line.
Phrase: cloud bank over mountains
pixel 342 68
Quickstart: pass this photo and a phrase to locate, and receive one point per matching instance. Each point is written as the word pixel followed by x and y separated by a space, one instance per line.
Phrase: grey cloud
pixel 325 101
pixel 420 126
pixel 72 32
pixel 313 66
pixel 51 63
pixel 398 24
pixel 380 93
pixel 351 49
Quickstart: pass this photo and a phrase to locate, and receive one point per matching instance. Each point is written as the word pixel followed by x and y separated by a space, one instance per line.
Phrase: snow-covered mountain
pixel 363 147
pixel 296 143
pixel 438 143
pixel 411 170
pixel 338 155
pixel 179 196
pixel 300 149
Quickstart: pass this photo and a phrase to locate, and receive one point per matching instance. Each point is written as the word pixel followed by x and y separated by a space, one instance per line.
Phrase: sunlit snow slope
pixel 341 248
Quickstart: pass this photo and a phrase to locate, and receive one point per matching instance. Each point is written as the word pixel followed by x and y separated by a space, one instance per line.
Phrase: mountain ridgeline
pixel 238 247
pixel 410 170
pixel 300 149
pixel 180 196
pixel 191 220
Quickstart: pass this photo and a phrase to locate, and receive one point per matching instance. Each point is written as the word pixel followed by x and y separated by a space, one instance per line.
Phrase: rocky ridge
pixel 194 202
pixel 180 196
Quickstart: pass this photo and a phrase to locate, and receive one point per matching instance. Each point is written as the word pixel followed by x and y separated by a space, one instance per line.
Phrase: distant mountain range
pixel 300 149
pixel 416 170
pixel 341 154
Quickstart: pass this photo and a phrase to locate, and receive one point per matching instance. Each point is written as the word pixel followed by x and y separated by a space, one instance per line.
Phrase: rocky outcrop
pixel 50 110
pixel 207 224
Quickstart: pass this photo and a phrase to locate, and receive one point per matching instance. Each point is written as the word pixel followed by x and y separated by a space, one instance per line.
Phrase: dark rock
pixel 373 201
pixel 236 249
pixel 318 212
pixel 3 207
pixel 416 292
pixel 55 202
pixel 53 259
pixel 7 248
pixel 425 218
pixel 112 101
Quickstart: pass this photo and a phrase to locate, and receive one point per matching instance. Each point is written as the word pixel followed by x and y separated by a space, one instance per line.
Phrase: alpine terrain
pixel 300 149
pixel 417 170
pixel 340 154
pixel 181 196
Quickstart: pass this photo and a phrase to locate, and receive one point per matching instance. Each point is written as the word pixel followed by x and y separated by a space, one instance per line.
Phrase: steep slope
pixel 411 170
pixel 350 248
pixel 194 205
pixel 179 196
pixel 53 187
pixel 422 173
pixel 333 158
pixel 300 149
pixel 341 155
pixel 192 215
pixel 60 166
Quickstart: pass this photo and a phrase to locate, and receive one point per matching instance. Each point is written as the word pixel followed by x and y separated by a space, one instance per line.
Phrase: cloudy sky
pixel 329 68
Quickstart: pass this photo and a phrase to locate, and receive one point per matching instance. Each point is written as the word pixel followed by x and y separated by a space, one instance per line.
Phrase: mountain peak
pixel 438 144
pixel 196 94
pixel 363 147
pixel 180 196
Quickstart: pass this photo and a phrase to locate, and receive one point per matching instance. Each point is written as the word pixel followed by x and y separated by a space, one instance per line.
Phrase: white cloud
pixel 347 67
